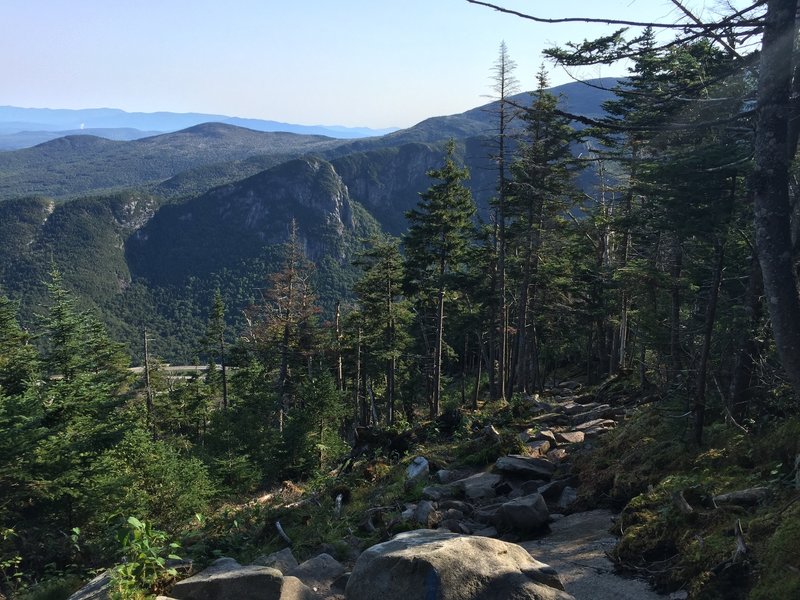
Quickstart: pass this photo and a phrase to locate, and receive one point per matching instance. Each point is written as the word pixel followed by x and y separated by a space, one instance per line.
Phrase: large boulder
pixel 226 579
pixel 448 566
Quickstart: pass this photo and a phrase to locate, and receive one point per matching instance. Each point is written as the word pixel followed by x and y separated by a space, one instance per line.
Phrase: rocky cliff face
pixel 236 222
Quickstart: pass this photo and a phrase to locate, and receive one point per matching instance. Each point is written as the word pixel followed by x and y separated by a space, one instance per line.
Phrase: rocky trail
pixel 576 548
pixel 465 538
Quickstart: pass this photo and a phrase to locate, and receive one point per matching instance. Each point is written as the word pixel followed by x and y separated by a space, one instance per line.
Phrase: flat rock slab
pixel 576 548
pixel 596 423
pixel 570 437
pixel 518 464
pixel 478 486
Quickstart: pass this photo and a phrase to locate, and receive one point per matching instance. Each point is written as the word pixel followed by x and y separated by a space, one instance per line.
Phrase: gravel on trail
pixel 576 548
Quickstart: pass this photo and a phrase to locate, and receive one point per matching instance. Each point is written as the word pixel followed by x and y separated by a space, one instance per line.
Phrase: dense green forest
pixel 662 267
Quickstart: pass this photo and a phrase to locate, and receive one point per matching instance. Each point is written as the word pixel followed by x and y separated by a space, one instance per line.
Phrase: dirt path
pixel 576 548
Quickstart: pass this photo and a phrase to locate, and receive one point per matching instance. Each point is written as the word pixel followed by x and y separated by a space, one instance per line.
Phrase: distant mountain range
pixel 25 127
pixel 145 230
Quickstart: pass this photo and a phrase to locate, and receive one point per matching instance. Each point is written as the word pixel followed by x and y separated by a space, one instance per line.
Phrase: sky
pixel 370 63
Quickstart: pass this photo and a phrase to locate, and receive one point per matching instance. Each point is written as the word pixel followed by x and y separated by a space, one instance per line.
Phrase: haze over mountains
pixel 145 230
pixel 25 127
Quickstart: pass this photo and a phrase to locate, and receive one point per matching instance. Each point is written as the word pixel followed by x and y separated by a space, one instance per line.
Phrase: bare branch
pixel 697 21
pixel 727 21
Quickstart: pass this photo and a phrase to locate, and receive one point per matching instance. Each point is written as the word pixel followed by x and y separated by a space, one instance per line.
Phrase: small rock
pixel 526 515
pixel 438 492
pixel 282 560
pixel 444 476
pixel 491 433
pixel 570 437
pixel 593 432
pixel 319 572
pixel 553 490
pixel 478 486
pixel 452 513
pixel 490 532
pixel 556 455
pixel 426 514
pixel 340 583
pixel 568 496
pixel 546 434
pixel 531 486
pixel 409 512
pixel 458 505
pixel 454 526
pixel 294 589
pixel 749 497
pixel 538 448
pixel 417 470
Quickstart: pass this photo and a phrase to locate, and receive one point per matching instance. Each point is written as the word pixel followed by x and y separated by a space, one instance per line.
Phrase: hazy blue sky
pixel 374 63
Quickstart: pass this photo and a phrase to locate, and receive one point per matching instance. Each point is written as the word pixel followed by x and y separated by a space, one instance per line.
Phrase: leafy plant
pixel 145 552
pixel 9 562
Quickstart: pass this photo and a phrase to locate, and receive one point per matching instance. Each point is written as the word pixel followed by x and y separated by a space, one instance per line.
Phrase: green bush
pixel 145 552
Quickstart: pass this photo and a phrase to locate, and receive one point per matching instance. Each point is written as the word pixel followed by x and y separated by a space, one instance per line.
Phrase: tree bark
pixel 699 408
pixel 749 350
pixel 675 310
pixel 770 180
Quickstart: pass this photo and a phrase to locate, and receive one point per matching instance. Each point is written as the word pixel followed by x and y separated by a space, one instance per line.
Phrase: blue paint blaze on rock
pixel 433 585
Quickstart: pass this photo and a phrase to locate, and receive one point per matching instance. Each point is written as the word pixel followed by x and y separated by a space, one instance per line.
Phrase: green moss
pixel 780 563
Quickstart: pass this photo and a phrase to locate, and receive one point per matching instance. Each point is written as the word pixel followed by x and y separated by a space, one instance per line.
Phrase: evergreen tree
pixel 286 320
pixel 215 342
pixel 385 314
pixel 440 231
pixel 505 85
pixel 541 190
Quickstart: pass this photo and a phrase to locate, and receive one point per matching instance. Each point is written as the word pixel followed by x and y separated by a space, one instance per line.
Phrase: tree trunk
pixel 699 408
pixel 750 349
pixel 770 181
pixel 675 310
pixel 437 357
pixel 339 362
pixel 224 368
pixel 478 377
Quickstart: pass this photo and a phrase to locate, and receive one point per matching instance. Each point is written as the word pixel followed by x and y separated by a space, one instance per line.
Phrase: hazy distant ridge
pixel 24 127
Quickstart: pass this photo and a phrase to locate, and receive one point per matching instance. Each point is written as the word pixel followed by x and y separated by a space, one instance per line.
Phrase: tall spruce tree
pixel 541 188
pixel 385 313
pixel 440 230
pixel 504 85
